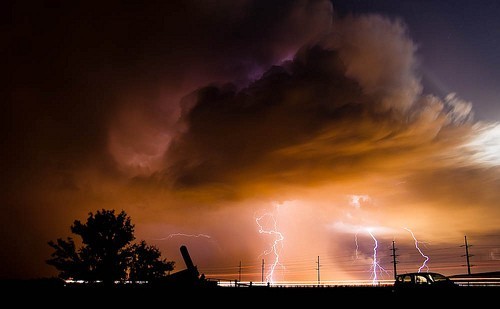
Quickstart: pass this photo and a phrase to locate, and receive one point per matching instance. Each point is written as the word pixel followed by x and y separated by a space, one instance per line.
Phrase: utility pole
pixel 318 269
pixel 262 272
pixel 239 273
pixel 467 255
pixel 394 259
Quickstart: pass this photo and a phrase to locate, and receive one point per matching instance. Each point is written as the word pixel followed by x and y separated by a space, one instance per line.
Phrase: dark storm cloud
pixel 77 67
pixel 231 130
pixel 350 104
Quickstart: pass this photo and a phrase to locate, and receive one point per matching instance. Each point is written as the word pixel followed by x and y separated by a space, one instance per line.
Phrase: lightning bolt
pixel 278 240
pixel 375 265
pixel 184 235
pixel 426 258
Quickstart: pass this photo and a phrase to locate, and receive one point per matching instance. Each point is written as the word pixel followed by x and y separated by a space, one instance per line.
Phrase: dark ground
pixel 53 294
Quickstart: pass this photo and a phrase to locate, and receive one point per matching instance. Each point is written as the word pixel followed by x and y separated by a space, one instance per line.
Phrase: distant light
pixel 355 200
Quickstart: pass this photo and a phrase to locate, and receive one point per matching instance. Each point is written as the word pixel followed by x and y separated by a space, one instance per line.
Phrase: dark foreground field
pixel 234 297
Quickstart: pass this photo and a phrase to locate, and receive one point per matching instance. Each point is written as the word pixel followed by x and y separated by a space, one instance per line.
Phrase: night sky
pixel 250 130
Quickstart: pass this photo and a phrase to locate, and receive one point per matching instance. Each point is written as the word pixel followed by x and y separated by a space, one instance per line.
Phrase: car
pixel 423 280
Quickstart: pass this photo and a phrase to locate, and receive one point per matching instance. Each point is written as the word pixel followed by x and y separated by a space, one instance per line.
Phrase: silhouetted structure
pixel 189 277
pixel 187 258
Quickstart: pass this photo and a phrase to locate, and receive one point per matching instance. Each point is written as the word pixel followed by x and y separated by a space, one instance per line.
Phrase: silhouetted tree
pixel 106 253
pixel 67 260
pixel 146 263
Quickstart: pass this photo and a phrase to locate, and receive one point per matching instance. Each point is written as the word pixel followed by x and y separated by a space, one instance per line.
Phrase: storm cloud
pixel 346 106
pixel 194 116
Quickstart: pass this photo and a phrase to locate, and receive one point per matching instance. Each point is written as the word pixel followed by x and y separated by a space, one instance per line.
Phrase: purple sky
pixel 458 43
